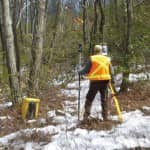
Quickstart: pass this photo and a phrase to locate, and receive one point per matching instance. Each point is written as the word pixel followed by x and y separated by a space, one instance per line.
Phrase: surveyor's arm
pixel 86 68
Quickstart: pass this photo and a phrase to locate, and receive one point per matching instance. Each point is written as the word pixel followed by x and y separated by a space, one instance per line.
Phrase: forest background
pixel 39 41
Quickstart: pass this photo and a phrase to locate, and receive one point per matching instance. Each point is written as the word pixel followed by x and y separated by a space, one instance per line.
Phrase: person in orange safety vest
pixel 98 71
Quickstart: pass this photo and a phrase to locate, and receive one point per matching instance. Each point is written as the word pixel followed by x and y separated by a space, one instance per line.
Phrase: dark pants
pixel 96 86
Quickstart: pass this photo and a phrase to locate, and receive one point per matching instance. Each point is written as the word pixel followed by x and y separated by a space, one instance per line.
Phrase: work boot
pixel 85 116
pixel 87 109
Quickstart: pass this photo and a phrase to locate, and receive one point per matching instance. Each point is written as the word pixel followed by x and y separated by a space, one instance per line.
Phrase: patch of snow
pixel 28 146
pixel 133 132
pixel 146 108
pixel 51 114
pixel 80 132
pixel 31 121
pixel 5 117
pixel 140 76
pixel 5 105
pixel 5 140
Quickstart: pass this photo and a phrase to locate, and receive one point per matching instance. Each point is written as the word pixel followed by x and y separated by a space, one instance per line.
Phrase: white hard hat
pixel 98 47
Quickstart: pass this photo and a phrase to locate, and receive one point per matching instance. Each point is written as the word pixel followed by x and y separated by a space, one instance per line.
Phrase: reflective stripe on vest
pixel 101 71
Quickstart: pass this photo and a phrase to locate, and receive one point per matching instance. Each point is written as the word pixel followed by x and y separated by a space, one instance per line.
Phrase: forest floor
pixel 52 99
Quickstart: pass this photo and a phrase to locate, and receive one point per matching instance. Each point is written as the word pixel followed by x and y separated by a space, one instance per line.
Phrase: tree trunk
pixel 116 12
pixel 102 21
pixel 126 44
pixel 10 52
pixel 2 36
pixel 61 24
pixel 2 29
pixel 95 21
pixel 37 48
pixel 53 39
pixel 93 38
pixel 15 36
pixel 27 16
pixel 2 39
pixel 20 24
pixel 84 23
pixel 129 19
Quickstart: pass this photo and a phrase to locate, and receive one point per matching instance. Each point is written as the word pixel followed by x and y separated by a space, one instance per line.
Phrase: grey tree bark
pixel 127 42
pixel 95 21
pixel 84 23
pixel 2 38
pixel 55 28
pixel 10 52
pixel 102 21
pixel 17 51
pixel 37 48
pixel 116 11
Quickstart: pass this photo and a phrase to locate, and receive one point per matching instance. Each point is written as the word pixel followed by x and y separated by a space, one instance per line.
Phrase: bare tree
pixel 102 21
pixel 84 22
pixel 127 5
pixel 10 52
pixel 37 48
pixel 97 29
pixel 55 27
pixel 129 24
pixel 93 31
pixel 27 16
pixel 95 20
pixel 116 11
pixel 14 23
pixel 61 22
pixel 2 37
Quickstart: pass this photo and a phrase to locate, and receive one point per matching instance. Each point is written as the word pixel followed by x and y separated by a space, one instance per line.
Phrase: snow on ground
pixel 140 76
pixel 5 105
pixel 133 132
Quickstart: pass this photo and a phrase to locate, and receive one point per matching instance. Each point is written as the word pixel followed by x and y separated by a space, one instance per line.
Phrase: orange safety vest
pixel 100 68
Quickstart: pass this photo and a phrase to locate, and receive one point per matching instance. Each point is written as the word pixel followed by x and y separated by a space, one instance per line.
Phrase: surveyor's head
pixel 97 49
